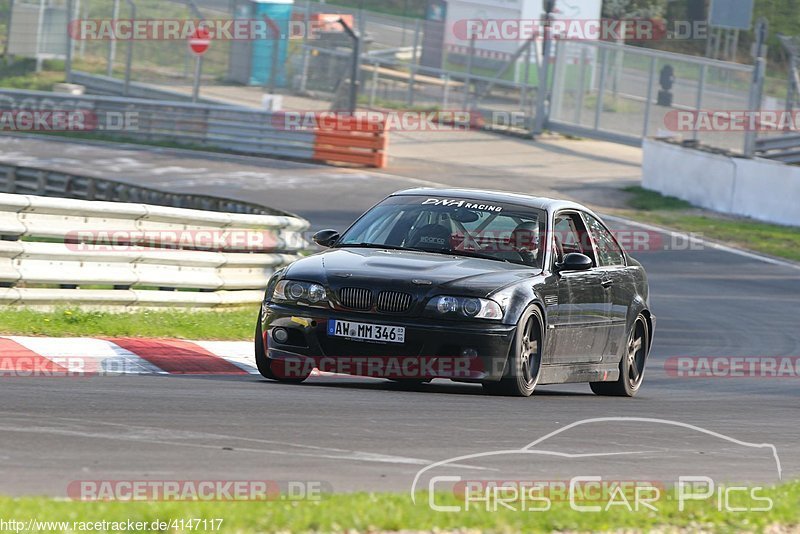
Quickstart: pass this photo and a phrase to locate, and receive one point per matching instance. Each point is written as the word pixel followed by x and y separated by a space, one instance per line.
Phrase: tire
pixel 631 366
pixel 524 363
pixel 264 363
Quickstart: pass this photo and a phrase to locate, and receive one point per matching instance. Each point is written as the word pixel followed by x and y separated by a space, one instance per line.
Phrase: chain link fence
pixel 636 92
pixel 599 89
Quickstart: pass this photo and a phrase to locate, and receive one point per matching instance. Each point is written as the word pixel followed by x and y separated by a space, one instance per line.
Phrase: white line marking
pixel 123 432
pixel 704 242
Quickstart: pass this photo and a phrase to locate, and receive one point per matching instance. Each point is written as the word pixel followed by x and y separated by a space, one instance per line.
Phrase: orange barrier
pixel 353 141
pixel 325 22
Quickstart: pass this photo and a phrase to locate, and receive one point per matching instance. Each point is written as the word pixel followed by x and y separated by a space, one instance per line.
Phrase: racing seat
pixel 431 237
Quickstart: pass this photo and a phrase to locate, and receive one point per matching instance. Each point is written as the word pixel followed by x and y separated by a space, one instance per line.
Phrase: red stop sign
pixel 200 41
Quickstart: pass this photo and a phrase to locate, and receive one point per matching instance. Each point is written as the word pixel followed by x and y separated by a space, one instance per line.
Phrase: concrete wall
pixel 757 188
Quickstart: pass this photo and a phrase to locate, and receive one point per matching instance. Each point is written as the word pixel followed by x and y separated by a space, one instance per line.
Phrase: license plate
pixel 366 331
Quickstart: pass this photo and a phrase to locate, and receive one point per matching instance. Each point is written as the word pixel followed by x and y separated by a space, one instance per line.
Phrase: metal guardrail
pixel 43 182
pixel 97 84
pixel 212 126
pixel 242 130
pixel 57 251
pixel 785 148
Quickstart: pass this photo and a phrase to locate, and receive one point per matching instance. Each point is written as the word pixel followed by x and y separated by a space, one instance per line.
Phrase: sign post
pixel 199 43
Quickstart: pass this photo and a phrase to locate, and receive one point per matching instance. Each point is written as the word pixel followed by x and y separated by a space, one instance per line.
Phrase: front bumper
pixel 469 351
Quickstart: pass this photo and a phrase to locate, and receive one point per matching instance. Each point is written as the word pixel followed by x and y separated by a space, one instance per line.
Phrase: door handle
pixel 607 283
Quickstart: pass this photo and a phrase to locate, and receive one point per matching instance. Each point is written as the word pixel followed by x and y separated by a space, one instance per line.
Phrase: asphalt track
pixel 360 434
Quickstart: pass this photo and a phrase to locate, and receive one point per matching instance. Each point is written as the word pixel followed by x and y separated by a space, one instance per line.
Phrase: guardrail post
pixel 91 189
pixel 41 183
pixel 11 180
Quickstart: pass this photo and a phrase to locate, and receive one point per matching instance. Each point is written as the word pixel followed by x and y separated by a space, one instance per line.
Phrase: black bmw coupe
pixel 502 289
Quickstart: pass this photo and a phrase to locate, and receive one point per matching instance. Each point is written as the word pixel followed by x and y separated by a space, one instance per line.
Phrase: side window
pixel 569 236
pixel 566 235
pixel 608 251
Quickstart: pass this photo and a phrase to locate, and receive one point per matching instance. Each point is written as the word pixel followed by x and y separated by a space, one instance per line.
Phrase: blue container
pixel 260 51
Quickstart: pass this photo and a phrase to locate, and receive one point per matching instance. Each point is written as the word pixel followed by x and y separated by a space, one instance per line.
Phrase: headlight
pixel 465 307
pixel 296 292
pixel 447 304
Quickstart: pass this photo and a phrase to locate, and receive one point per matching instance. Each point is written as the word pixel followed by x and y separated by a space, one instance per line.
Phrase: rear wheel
pixel 524 361
pixel 631 367
pixel 266 366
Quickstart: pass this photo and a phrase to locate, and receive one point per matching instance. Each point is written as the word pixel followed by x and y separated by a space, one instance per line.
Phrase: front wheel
pixel 631 367
pixel 524 361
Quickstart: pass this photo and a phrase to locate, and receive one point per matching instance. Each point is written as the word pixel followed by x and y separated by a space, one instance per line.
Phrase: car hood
pixel 417 272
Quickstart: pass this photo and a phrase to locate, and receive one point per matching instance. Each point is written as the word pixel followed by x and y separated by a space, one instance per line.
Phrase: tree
pixel 634 9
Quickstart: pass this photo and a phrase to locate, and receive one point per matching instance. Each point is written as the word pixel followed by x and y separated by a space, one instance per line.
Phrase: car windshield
pixel 454 226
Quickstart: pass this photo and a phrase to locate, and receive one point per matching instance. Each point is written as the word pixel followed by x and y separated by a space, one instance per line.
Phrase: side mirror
pixel 575 261
pixel 326 238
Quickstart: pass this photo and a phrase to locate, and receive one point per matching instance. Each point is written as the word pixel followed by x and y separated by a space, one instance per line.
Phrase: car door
pixel 581 331
pixel 616 280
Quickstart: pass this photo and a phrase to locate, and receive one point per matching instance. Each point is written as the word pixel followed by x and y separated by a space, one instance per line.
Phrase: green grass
pixel 644 199
pixel 612 104
pixel 122 138
pixel 771 239
pixel 402 8
pixel 21 74
pixel 233 324
pixel 363 512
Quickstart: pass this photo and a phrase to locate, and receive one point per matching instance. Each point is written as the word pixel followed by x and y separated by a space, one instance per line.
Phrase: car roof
pixel 542 203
